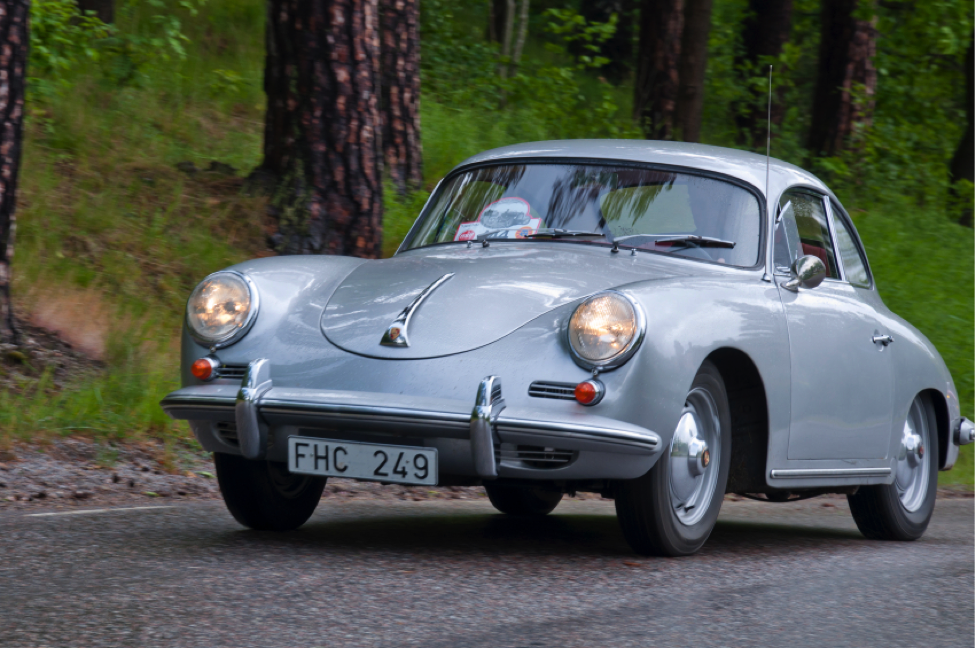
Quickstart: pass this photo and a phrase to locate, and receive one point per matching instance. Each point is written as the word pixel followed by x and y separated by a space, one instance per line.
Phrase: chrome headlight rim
pixel 240 332
pixel 624 354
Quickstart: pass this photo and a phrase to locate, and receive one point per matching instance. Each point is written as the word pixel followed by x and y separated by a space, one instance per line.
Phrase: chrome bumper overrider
pixel 257 405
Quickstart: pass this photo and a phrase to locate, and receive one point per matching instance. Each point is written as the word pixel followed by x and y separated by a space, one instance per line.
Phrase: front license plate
pixel 382 462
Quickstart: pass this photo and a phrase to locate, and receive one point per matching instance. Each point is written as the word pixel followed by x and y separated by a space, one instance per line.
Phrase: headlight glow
pixel 220 308
pixel 604 328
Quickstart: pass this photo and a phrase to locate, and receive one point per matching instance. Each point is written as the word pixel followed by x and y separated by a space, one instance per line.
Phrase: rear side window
pixel 803 217
pixel 853 262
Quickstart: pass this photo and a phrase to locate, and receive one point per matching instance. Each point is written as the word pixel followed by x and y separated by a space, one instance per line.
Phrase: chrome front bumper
pixel 472 434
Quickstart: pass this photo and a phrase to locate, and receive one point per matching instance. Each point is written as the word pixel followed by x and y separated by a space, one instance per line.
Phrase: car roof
pixel 743 165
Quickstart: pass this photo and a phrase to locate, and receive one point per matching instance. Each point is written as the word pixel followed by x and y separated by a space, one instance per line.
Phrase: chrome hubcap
pixel 695 457
pixel 912 472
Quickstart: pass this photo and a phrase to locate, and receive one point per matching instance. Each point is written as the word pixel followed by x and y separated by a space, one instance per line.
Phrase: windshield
pixel 674 213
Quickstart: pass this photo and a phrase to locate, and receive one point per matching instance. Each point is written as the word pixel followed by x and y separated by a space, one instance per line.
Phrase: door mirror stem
pixel 807 272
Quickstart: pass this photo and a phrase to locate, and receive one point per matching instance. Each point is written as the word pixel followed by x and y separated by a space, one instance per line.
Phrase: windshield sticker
pixel 508 217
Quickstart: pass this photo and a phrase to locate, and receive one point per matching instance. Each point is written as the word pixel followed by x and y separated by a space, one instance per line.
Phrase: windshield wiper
pixel 703 242
pixel 558 232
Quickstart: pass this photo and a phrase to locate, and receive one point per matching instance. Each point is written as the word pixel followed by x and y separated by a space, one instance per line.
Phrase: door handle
pixel 883 340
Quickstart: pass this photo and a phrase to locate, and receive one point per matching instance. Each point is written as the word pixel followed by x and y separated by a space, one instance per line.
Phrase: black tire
pixel 644 506
pixel 523 501
pixel 877 509
pixel 263 495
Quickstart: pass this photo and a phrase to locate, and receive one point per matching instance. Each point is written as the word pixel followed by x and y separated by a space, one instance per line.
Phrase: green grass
pixel 105 213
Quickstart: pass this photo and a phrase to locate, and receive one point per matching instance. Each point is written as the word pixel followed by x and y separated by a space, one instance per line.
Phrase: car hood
pixel 490 293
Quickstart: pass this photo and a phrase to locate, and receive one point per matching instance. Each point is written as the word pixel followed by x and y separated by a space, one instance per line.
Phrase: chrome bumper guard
pixel 257 404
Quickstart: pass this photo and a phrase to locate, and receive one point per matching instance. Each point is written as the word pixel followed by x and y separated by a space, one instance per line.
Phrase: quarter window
pixel 802 229
pixel 853 263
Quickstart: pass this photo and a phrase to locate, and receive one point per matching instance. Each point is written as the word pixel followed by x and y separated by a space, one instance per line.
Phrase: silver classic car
pixel 657 322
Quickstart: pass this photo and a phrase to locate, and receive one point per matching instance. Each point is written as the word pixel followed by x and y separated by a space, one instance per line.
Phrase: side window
pixel 802 229
pixel 853 263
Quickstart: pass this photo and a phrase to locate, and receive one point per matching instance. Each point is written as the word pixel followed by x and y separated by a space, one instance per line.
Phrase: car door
pixel 841 379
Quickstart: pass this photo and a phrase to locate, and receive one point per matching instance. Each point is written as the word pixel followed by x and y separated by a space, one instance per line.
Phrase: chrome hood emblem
pixel 396 333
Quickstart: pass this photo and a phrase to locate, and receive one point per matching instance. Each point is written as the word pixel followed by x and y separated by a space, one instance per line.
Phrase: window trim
pixel 800 189
pixel 857 242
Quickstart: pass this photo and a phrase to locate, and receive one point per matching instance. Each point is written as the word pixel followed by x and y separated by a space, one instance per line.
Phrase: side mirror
pixel 807 272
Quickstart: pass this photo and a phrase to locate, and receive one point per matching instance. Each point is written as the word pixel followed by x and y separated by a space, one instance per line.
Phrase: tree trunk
pixel 963 164
pixel 279 86
pixel 765 33
pixel 846 80
pixel 655 90
pixel 693 64
pixel 104 9
pixel 618 48
pixel 330 199
pixel 497 19
pixel 401 93
pixel 14 43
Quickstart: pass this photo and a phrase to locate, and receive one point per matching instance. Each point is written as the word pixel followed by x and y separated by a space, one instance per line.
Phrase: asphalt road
pixel 454 573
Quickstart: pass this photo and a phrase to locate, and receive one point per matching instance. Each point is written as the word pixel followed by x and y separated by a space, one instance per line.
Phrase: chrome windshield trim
pixel 397 333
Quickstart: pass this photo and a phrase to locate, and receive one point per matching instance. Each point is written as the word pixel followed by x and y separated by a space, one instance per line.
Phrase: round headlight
pixel 605 329
pixel 221 309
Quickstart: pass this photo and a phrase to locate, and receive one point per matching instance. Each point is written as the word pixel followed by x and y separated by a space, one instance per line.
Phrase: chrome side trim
pixel 649 441
pixel 397 333
pixel 830 473
pixel 251 437
pixel 488 404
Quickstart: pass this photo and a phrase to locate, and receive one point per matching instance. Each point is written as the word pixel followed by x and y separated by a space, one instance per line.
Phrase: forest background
pixel 139 136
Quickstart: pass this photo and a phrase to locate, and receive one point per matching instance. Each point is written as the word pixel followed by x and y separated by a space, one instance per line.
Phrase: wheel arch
pixel 749 419
pixel 940 407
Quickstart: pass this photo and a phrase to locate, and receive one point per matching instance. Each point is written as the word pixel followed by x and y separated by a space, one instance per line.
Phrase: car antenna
pixel 768 149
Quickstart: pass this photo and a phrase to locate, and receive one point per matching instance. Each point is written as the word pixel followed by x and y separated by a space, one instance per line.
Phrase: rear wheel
pixel 523 501
pixel 902 510
pixel 264 495
pixel 671 510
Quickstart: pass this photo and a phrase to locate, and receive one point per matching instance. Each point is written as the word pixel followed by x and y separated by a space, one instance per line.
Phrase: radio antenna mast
pixel 768 138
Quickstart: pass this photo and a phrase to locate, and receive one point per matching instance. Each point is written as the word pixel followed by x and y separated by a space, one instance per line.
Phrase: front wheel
pixel 264 495
pixel 671 510
pixel 902 510
pixel 523 501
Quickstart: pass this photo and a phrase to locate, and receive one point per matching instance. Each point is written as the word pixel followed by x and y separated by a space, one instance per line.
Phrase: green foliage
pixel 60 40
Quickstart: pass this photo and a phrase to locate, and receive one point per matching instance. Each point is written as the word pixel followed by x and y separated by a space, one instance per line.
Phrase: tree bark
pixel 104 9
pixel 655 90
pixel 963 163
pixel 618 48
pixel 765 33
pixel 330 198
pixel 693 64
pixel 401 93
pixel 846 81
pixel 279 87
pixel 14 44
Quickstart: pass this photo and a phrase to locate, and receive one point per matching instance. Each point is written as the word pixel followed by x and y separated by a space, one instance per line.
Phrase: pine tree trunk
pixel 14 44
pixel 963 163
pixel 764 35
pixel 401 92
pixel 846 81
pixel 104 9
pixel 279 86
pixel 655 90
pixel 496 20
pixel 329 200
pixel 618 48
pixel 693 64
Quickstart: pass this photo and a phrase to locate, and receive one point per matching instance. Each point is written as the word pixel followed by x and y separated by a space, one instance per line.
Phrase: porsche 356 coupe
pixel 660 323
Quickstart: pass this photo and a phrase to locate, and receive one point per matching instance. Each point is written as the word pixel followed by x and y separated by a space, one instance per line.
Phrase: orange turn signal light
pixel 203 368
pixel 590 392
